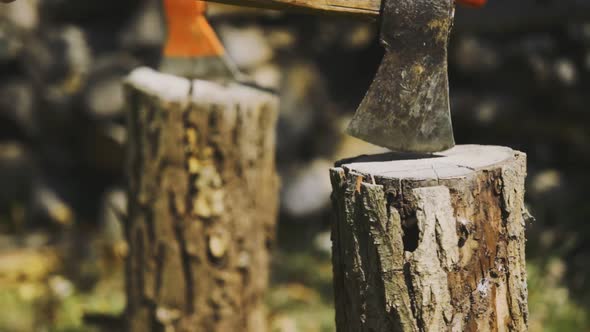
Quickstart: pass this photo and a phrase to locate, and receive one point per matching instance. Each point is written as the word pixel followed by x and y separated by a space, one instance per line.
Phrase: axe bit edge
pixel 407 107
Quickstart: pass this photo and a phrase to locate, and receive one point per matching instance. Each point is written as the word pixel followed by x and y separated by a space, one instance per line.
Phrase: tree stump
pixel 202 203
pixel 431 243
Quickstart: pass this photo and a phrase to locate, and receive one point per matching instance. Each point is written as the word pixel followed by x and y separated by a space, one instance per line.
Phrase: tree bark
pixel 202 204
pixel 431 243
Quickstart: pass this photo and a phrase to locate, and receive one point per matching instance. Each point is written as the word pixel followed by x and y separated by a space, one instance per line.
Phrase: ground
pixel 300 298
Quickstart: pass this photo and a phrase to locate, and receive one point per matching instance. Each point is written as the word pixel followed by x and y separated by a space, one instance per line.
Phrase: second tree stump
pixel 202 204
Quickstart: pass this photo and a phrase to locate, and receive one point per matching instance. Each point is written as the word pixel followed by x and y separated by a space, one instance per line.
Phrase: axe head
pixel 192 48
pixel 407 108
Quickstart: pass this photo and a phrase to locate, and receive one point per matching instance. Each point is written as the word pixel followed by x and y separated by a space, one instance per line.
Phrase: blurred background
pixel 520 77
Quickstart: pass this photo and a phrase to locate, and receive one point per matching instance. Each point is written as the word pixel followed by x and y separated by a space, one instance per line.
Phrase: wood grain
pixel 364 8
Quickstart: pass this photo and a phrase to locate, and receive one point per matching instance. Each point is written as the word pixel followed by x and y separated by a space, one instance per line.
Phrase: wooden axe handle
pixel 366 8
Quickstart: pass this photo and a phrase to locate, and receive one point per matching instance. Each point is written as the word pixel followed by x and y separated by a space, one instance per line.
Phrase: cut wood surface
pixel 202 204
pixel 368 8
pixel 431 243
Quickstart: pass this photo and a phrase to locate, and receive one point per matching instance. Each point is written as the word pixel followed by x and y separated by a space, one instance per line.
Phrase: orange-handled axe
pixel 192 48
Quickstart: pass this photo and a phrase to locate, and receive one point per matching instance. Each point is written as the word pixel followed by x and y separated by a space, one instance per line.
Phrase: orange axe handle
pixel 472 3
pixel 189 33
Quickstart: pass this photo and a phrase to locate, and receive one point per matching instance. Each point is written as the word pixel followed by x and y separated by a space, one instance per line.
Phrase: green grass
pixel 45 306
pixel 550 305
pixel 300 299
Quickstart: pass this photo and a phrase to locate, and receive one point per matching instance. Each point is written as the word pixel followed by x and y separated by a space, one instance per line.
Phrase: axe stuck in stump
pixel 202 186
pixel 406 108
pixel 421 241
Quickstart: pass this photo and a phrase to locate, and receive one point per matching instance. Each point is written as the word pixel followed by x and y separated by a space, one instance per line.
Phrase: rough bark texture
pixel 202 204
pixel 431 244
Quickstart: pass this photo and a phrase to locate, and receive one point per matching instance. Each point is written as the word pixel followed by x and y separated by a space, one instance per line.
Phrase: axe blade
pixel 407 107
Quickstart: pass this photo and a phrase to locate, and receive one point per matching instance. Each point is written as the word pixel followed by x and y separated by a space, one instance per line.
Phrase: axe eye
pixel 472 3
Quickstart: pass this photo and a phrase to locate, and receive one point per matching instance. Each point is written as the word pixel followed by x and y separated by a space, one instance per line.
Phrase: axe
pixel 192 48
pixel 406 108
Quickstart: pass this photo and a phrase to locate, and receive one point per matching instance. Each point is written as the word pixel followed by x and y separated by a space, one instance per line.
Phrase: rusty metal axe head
pixel 407 106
